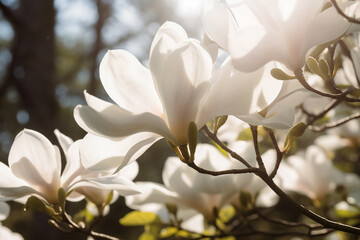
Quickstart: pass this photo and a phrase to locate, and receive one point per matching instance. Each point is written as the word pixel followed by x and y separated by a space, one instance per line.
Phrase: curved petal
pixel 128 83
pixel 122 185
pixel 109 120
pixel 130 171
pixel 166 39
pixel 114 153
pixel 151 193
pixel 65 141
pixel 237 93
pixel 319 31
pixel 35 160
pixel 253 47
pixel 218 22
pixel 182 84
pixel 73 170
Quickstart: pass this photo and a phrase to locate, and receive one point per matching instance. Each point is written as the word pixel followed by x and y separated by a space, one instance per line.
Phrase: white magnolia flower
pixel 190 190
pixel 6 233
pixel 4 210
pixel 255 32
pixel 321 177
pixel 178 88
pixel 35 169
pixel 96 186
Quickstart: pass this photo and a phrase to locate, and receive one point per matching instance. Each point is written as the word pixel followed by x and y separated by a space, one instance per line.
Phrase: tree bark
pixel 32 70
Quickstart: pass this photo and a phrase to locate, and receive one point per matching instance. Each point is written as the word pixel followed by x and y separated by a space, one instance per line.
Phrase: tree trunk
pixel 32 70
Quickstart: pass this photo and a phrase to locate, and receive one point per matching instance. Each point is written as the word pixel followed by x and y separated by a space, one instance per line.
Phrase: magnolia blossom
pixel 349 74
pixel 6 233
pixel 255 32
pixel 35 169
pixel 321 177
pixel 178 88
pixel 190 190
pixel 98 184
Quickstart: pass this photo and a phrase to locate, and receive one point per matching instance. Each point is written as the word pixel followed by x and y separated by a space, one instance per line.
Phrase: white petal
pixel 218 22
pixel 109 120
pixel 65 141
pixel 104 155
pixel 208 157
pixel 35 160
pixel 4 210
pixel 237 93
pixel 151 193
pixel 73 169
pixel 181 85
pixel 130 171
pixel 122 185
pixel 166 39
pixel 7 234
pixel 319 31
pixel 128 83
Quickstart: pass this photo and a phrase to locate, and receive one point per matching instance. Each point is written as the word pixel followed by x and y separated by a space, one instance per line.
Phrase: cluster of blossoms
pixel 292 65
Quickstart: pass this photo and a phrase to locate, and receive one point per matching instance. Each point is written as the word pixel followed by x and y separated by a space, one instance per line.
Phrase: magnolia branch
pixel 340 96
pixel 335 124
pixel 72 226
pixel 338 9
pixel 279 154
pixel 213 137
pixel 326 223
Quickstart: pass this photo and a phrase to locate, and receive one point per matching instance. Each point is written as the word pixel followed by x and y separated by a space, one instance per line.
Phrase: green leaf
pixel 245 135
pixel 192 139
pixel 62 197
pixel 226 238
pixel 324 68
pixel 137 218
pixel 279 74
pixel 37 204
pixel 246 200
pixel 147 236
pixel 219 122
pixel 168 232
pixel 313 65
pixel 294 133
pixel 347 213
pixel 222 151
pixel 227 213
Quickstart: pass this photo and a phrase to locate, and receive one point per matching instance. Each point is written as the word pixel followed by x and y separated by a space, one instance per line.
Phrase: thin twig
pixel 224 172
pixel 310 227
pixel 233 154
pixel 279 154
pixel 259 160
pixel 327 223
pixel 338 9
pixel 300 76
pixel 335 124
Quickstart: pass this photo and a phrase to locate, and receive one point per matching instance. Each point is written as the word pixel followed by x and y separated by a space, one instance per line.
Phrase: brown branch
pixel 89 232
pixel 310 227
pixel 300 76
pixel 326 223
pixel 224 172
pixel 279 154
pixel 233 154
pixel 259 160
pixel 338 9
pixel 335 124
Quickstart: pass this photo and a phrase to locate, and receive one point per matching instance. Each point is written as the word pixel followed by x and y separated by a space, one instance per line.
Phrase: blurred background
pixel 50 52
